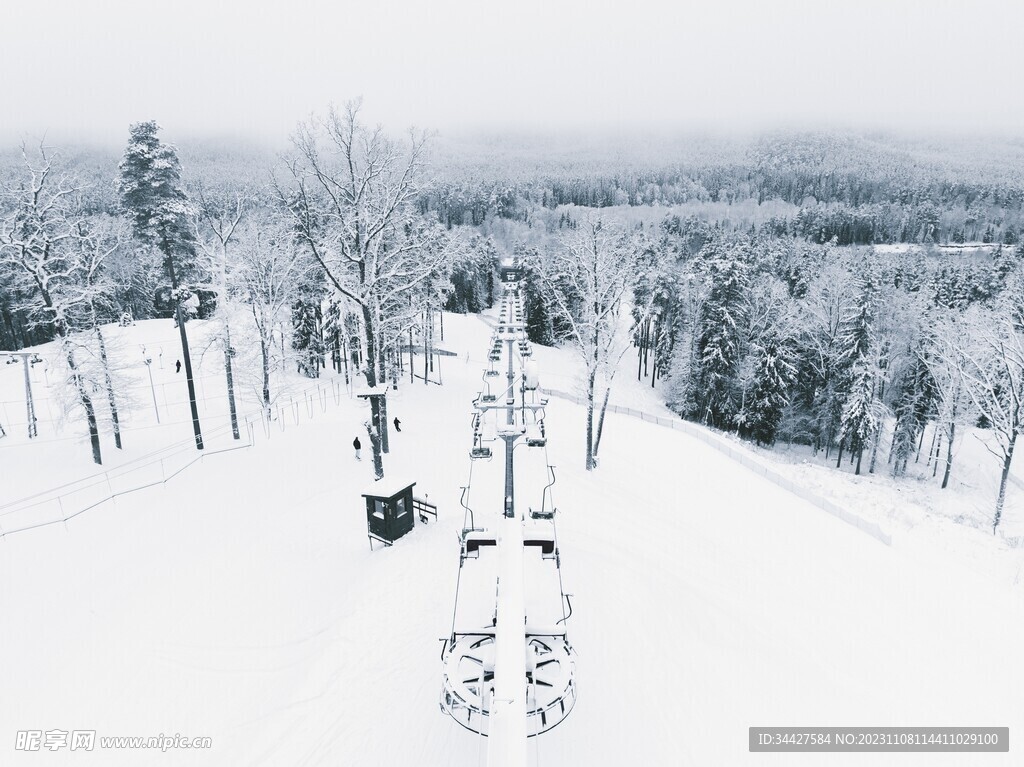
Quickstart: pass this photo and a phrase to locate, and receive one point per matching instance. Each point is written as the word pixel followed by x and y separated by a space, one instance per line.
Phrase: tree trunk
pixel 874 449
pixel 384 442
pixel 640 357
pixel 591 464
pixel 186 356
pixel 860 455
pixel 647 342
pixel 931 447
pixel 426 352
pixel 85 399
pixel 344 355
pixel 265 353
pixel 839 461
pixel 949 454
pixel 229 374
pixel 114 420
pixel 355 354
pixel 430 330
pixel 600 420
pixel 1001 498
pixel 378 461
pixel 377 426
pixel 284 359
pixel 654 353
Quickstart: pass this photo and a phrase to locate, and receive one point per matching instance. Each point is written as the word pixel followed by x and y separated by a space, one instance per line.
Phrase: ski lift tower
pixel 27 358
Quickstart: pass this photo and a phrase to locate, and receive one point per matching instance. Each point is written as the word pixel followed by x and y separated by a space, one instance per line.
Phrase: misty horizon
pixel 534 70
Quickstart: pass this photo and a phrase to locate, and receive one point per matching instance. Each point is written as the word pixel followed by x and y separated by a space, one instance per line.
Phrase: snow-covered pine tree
pixel 307 321
pixel 720 333
pixel 820 320
pixel 858 420
pixel 774 374
pixel 539 326
pixel 332 334
pixel 658 312
pixel 151 195
pixel 307 336
pixel 912 404
pixel 470 275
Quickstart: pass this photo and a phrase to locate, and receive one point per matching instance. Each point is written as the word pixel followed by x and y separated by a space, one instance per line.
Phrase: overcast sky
pixel 85 69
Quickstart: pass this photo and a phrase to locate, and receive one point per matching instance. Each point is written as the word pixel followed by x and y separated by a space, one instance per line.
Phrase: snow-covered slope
pixel 240 601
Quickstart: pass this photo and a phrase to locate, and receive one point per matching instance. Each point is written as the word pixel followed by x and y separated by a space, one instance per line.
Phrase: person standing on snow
pixel 398 425
pixel 358 446
pixel 177 366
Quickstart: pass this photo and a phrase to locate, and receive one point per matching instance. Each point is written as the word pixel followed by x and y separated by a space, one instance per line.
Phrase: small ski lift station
pixel 510 274
pixel 389 511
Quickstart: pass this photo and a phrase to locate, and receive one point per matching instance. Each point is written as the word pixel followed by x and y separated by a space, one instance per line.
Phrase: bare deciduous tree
pixel 268 272
pixel 585 280
pixel 217 218
pixel 37 242
pixel 991 362
pixel 353 205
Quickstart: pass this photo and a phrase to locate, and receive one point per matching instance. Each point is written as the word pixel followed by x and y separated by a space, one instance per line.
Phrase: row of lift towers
pixel 508 665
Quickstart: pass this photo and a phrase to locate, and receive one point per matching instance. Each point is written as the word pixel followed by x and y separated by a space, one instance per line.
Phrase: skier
pixel 356 444
pixel 177 366
pixel 398 425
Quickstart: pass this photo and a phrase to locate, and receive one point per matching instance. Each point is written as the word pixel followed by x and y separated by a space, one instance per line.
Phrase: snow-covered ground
pixel 952 524
pixel 240 600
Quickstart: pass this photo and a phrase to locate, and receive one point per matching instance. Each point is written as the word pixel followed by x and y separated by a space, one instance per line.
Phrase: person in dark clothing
pixel 358 446
pixel 177 366
pixel 398 425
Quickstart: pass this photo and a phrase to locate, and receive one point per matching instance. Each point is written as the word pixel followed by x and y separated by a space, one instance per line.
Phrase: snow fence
pixel 58 505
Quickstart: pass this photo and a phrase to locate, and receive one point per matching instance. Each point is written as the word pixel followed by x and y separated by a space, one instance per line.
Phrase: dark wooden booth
pixel 391 511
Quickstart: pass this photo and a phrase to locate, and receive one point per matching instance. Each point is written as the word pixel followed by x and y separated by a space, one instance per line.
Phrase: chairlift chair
pixel 474 540
pixel 543 540
pixel 535 435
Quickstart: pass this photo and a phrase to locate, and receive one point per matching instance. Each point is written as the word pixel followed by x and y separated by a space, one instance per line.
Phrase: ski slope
pixel 241 601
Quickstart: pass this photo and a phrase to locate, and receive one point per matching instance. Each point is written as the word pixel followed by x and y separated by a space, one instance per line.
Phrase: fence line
pixel 746 459
pixel 59 504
